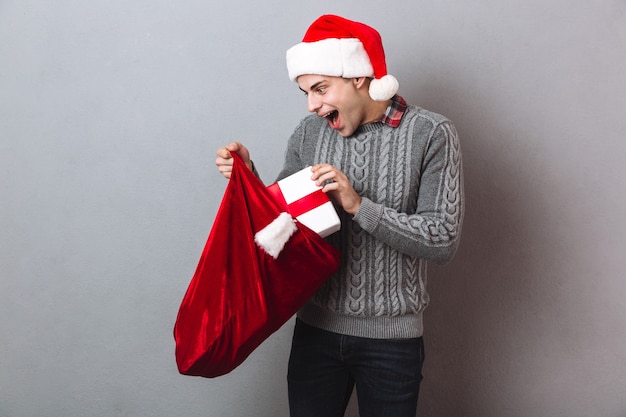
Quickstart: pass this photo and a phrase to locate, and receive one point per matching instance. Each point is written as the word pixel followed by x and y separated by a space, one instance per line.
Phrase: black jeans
pixel 324 367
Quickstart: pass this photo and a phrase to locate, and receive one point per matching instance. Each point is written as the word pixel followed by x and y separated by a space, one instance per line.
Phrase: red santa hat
pixel 340 47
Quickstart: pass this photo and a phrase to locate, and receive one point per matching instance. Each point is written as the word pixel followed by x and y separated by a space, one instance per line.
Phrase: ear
pixel 360 82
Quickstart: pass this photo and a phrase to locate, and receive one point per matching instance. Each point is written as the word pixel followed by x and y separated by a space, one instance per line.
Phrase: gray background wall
pixel 110 114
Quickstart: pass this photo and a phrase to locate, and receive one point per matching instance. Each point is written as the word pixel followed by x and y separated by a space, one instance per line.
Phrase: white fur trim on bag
pixel 273 237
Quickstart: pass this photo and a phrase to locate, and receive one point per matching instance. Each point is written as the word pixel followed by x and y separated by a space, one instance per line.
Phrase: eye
pixel 321 90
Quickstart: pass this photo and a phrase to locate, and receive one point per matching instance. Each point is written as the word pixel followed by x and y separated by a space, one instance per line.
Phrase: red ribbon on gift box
pixel 302 205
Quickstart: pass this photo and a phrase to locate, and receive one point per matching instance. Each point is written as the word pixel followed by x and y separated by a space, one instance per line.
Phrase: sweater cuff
pixel 369 214
pixel 254 170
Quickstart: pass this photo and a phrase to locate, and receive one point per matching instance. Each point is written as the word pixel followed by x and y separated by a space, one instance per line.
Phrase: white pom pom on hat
pixel 339 47
pixel 383 88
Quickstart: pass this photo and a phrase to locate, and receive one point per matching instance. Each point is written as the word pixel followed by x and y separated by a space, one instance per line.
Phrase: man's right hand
pixel 224 159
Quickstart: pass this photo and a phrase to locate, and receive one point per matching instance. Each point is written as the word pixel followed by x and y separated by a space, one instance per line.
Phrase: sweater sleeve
pixel 433 231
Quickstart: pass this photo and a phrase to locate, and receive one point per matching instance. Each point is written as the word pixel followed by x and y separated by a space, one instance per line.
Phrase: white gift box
pixel 307 202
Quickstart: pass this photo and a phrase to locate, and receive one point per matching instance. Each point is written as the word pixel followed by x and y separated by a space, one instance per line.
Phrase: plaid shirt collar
pixel 394 112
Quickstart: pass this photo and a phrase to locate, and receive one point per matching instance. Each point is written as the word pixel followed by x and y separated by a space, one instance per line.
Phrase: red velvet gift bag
pixel 241 293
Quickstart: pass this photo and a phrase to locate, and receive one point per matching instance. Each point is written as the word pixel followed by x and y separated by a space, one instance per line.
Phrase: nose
pixel 313 103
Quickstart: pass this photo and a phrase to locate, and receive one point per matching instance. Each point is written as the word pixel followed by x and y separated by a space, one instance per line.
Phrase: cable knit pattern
pixel 410 179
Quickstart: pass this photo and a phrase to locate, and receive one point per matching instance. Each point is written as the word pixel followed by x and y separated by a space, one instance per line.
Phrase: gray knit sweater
pixel 410 179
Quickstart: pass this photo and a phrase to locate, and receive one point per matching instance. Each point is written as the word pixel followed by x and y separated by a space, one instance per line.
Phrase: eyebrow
pixel 313 87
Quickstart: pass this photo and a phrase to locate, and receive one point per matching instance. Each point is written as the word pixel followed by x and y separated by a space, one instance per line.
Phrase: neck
pixel 375 111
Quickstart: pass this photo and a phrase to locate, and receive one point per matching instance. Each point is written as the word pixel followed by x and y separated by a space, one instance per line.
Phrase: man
pixel 394 172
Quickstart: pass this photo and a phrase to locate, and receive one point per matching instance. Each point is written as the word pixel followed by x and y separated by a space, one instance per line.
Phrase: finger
pixel 320 169
pixel 234 146
pixel 329 177
pixel 222 163
pixel 225 170
pixel 223 153
pixel 330 187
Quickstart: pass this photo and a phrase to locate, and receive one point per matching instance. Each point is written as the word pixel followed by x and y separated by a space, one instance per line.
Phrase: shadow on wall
pixel 482 304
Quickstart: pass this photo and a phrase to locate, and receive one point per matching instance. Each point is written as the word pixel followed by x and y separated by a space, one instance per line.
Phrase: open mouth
pixel 332 118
